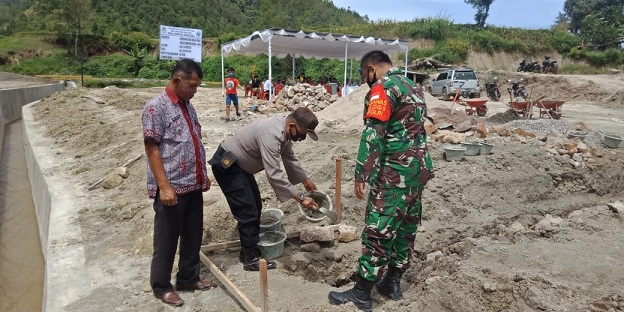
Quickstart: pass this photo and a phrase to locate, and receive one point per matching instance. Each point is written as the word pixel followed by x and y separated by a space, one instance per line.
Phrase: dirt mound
pixel 345 114
pixel 501 118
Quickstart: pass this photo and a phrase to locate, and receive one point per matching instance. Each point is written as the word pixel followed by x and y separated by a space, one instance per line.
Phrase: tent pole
pixel 351 71
pixel 406 52
pixel 345 68
pixel 270 73
pixel 222 76
pixel 293 67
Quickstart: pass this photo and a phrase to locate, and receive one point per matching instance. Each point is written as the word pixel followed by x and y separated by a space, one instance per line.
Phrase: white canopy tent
pixel 282 42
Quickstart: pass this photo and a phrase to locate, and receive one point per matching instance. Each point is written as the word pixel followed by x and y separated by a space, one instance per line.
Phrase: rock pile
pixel 315 98
pixel 574 153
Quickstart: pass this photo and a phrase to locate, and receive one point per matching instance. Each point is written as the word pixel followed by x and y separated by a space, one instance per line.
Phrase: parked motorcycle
pixel 529 67
pixel 491 88
pixel 518 91
pixel 549 66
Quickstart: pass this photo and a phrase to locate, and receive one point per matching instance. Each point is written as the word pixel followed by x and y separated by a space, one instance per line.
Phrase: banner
pixel 179 43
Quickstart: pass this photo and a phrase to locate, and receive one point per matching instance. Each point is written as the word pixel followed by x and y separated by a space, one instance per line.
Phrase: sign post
pixel 179 43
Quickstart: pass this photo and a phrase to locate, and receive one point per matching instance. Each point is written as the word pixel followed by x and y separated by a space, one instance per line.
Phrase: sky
pixel 531 14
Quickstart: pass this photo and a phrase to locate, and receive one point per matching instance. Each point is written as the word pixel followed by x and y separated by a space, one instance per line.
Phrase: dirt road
pixel 517 230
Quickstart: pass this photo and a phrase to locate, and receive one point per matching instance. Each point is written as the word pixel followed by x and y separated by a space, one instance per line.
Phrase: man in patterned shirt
pixel 176 178
pixel 393 159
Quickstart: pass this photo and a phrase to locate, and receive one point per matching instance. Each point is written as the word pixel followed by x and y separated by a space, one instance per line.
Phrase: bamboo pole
pixel 237 293
pixel 338 189
pixel 264 285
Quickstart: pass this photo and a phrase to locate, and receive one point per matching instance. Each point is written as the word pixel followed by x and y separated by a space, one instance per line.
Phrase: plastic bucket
pixel 271 220
pixel 454 152
pixel 323 200
pixel 271 244
pixel 577 134
pixel 472 148
pixel 486 149
pixel 611 140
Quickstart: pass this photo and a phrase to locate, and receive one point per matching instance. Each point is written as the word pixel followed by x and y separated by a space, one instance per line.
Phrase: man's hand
pixel 309 203
pixel 168 196
pixel 309 185
pixel 359 189
pixel 208 187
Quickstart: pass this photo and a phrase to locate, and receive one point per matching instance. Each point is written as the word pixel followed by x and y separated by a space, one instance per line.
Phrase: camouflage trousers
pixel 392 218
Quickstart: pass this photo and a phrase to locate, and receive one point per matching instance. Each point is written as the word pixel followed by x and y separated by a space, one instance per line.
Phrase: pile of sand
pixel 345 115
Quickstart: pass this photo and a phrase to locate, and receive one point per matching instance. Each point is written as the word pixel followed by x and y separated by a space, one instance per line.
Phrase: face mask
pixel 188 92
pixel 370 83
pixel 231 75
pixel 297 136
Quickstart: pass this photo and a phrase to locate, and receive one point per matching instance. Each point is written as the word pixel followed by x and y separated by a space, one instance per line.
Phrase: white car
pixel 448 82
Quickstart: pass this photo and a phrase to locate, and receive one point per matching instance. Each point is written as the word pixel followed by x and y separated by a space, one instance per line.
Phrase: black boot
pixel 390 285
pixel 254 265
pixel 360 295
pixel 252 261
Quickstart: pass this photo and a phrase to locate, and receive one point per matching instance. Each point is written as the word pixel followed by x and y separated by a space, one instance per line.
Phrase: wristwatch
pixel 302 197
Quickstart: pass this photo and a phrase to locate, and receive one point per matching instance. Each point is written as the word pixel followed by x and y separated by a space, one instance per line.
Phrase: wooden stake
pixel 237 293
pixel 338 189
pixel 264 285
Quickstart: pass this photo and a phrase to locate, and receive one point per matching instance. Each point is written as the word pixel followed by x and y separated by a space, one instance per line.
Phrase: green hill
pixel 214 17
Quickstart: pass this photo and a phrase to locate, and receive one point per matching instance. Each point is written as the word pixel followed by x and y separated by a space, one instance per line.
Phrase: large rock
pixel 112 180
pixel 347 233
pixel 317 234
pixel 121 171
pixel 617 207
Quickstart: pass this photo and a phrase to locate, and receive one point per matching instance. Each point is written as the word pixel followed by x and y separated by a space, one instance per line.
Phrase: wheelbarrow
pixel 472 106
pixel 521 108
pixel 549 108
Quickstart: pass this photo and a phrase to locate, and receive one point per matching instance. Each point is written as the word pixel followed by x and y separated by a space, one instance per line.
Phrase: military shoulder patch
pixel 378 105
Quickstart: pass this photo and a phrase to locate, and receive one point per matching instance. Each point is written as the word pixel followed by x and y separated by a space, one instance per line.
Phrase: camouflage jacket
pixel 393 149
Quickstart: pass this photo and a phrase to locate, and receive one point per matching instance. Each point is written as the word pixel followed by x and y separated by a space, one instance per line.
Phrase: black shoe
pixel 360 295
pixel 390 284
pixel 241 256
pixel 254 265
pixel 237 114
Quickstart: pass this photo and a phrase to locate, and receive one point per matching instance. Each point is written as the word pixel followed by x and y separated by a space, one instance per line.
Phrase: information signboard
pixel 179 43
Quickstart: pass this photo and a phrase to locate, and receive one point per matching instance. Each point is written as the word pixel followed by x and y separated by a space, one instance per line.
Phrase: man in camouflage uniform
pixel 393 159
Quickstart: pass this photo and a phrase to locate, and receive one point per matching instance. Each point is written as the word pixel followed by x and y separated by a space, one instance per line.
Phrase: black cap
pixel 306 118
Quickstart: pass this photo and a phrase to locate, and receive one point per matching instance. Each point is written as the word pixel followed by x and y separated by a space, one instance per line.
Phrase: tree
pixel 577 10
pixel 483 10
pixel 138 55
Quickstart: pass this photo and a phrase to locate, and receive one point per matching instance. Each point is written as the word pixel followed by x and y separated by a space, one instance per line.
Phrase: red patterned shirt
pixel 174 126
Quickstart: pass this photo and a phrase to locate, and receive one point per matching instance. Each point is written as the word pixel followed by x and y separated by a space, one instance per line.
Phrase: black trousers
pixel 184 221
pixel 243 197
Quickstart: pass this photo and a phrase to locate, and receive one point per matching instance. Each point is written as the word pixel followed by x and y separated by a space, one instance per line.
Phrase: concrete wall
pixel 66 278
pixel 12 100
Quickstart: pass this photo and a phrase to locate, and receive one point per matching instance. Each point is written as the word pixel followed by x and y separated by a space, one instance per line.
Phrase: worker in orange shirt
pixel 231 83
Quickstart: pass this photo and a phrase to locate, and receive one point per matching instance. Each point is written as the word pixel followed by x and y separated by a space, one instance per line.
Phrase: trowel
pixel 330 214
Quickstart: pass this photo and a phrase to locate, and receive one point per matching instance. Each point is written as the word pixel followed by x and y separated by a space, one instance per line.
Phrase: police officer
pixel 257 147
pixel 394 161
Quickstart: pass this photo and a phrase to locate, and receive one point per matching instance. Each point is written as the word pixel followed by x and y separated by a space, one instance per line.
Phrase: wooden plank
pixel 219 246
pixel 264 285
pixel 237 293
pixel 232 244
